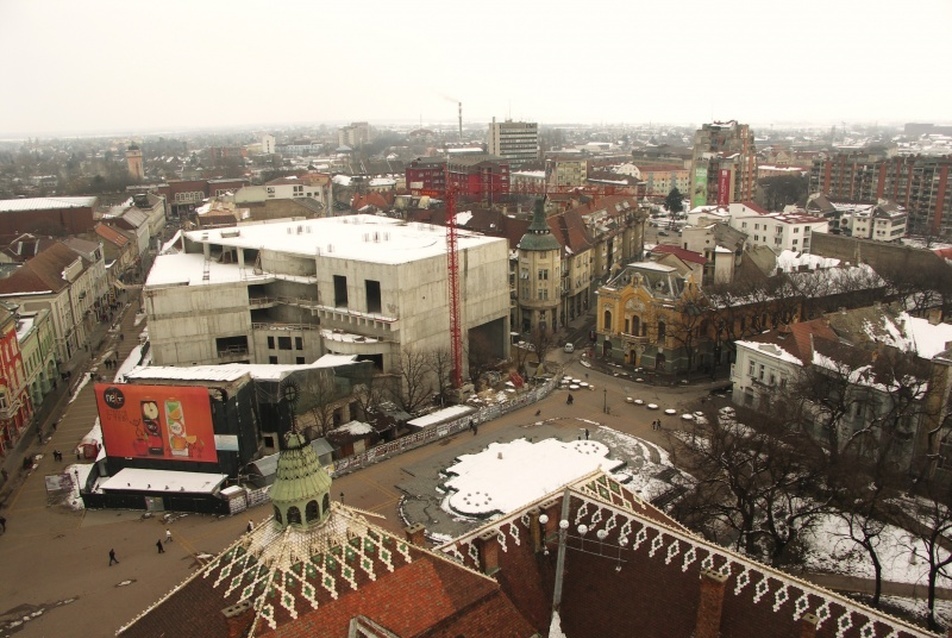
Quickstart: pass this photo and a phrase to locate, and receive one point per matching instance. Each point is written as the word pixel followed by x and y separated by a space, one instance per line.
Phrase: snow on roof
pixel 651 265
pixel 440 416
pixel 528 174
pixel 769 349
pixel 353 237
pixel 506 476
pixel 189 269
pixel 721 249
pixel 341 180
pixel 462 218
pixel 234 371
pixel 44 203
pixel 790 261
pixel 356 428
pixel 142 480
pixel 913 334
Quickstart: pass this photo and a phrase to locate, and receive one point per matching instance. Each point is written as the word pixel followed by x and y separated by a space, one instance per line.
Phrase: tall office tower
pixel 723 164
pixel 517 142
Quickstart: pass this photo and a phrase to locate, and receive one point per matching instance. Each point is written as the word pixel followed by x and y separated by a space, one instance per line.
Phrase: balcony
pixel 233 354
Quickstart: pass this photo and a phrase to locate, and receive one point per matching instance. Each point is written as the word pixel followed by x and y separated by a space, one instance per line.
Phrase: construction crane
pixel 452 276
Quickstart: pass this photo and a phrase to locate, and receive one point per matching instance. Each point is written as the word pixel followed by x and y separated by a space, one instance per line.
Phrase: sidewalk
pixel 45 433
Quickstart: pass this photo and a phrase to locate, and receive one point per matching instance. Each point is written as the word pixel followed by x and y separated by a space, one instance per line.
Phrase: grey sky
pixel 139 65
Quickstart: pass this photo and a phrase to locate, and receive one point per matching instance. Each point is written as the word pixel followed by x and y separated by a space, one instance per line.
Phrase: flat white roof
pixel 446 414
pixel 234 371
pixel 163 481
pixel 367 238
pixel 44 203
pixel 189 269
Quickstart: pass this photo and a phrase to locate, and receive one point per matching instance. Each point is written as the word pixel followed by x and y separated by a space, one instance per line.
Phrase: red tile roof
pixel 683 253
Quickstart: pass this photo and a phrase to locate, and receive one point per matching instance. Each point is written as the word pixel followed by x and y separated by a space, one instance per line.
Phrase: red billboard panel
pixel 723 187
pixel 172 423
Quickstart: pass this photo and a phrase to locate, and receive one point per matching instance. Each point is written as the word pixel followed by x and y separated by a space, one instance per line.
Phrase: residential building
pixel 566 170
pixel 184 196
pixel 539 287
pixel 474 176
pixel 778 231
pixel 72 287
pixel 723 164
pixel 660 179
pixel 355 135
pixel 290 292
pixel 515 142
pixel 918 183
pixel 16 405
pixel 313 185
pixel 267 144
pixel 38 352
pixel 884 221
pixel 882 356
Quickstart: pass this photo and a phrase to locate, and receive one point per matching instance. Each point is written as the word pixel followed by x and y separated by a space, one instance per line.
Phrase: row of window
pixel 284 343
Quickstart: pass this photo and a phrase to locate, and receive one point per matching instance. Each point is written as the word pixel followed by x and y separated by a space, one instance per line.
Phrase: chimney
pixel 709 607
pixel 808 623
pixel 416 534
pixel 536 530
pixel 488 552
pixel 238 617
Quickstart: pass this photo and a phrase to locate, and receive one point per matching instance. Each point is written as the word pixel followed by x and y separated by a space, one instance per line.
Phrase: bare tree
pixel 934 529
pixel 441 364
pixel 542 340
pixel 416 381
pixel 316 404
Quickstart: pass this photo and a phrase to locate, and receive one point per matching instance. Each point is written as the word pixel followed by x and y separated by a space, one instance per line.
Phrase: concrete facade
pixel 290 292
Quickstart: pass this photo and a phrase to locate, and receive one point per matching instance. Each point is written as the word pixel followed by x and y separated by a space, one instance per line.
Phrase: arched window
pixel 277 516
pixel 607 326
pixel 635 325
pixel 326 505
pixel 294 516
pixel 662 332
pixel 311 513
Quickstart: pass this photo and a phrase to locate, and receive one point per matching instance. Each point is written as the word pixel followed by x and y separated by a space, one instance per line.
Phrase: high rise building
pixel 723 164
pixel 517 142
pixel 918 183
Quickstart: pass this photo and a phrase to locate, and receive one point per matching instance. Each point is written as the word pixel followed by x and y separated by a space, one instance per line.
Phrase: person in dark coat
pixel 112 557
pixel 158 545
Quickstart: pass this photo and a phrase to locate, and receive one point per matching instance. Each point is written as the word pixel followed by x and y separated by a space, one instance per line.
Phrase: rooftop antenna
pixel 460 122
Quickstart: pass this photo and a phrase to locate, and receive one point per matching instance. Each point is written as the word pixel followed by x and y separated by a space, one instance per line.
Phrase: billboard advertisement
pixel 723 187
pixel 699 187
pixel 171 423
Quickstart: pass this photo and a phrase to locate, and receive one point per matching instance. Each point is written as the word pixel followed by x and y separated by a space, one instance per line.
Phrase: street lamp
pixel 78 490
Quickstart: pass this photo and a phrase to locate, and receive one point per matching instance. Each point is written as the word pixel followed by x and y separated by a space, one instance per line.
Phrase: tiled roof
pixel 313 581
pixel 682 253
pixel 635 572
pixel 42 273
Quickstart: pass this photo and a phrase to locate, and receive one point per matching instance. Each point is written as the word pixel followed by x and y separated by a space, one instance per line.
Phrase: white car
pixel 569 347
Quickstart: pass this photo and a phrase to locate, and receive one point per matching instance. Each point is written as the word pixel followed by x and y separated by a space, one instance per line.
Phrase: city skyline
pixel 108 66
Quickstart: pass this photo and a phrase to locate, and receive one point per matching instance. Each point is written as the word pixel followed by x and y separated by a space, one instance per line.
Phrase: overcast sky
pixel 122 66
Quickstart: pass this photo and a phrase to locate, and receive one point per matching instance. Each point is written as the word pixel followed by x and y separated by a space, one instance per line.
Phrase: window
pixel 760 372
pixel 340 291
pixel 299 343
pixel 270 343
pixel 607 321
pixel 796 241
pixel 543 274
pixel 796 230
pixel 750 369
pixel 373 295
pixel 284 343
pixel 299 360
pixel 662 332
pixel 311 512
pixel 635 325
pixel 294 516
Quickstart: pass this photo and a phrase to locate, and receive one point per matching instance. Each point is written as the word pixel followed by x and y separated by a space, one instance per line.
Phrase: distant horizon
pixel 7 137
pixel 114 67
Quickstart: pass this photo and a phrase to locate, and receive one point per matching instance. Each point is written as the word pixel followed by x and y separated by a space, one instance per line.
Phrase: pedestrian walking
pixel 158 545
pixel 251 526
pixel 3 525
pixel 168 536
pixel 586 434
pixel 112 557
